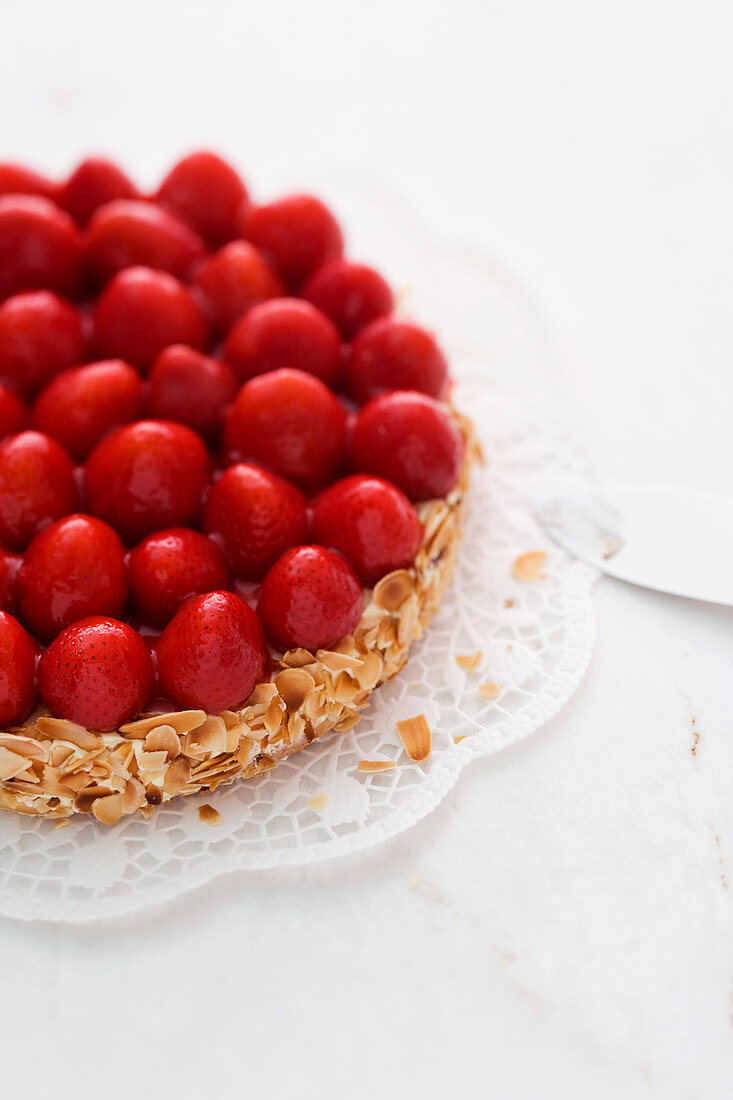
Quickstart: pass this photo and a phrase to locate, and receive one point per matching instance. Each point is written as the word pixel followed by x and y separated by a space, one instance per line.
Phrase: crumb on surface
pixel 209 815
pixel 489 690
pixel 318 801
pixel 528 567
pixel 416 737
pixel 469 661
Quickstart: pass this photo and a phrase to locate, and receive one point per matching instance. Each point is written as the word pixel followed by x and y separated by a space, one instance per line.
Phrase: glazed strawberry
pixel 212 653
pixel 290 422
pixel 93 183
pixel 410 440
pixel 126 233
pixel 36 487
pixel 255 516
pixel 17 180
pixel 40 335
pixel 311 597
pixel 298 233
pixel 206 193
pixel 394 354
pixel 371 523
pixel 232 281
pixel 13 413
pixel 168 567
pixel 18 691
pixel 97 672
pixel 39 247
pixel 9 568
pixel 190 388
pixel 350 294
pixel 73 569
pixel 142 311
pixel 82 405
pixel 285 333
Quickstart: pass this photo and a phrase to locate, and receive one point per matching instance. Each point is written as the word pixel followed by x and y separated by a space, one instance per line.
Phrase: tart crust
pixel 54 768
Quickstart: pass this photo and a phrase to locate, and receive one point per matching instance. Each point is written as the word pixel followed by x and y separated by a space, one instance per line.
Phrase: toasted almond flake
pixel 469 661
pixel 375 765
pixel 25 746
pixel 182 721
pixel 489 690
pixel 273 716
pixel 416 737
pixel 209 815
pixel 263 694
pixel 163 739
pixel 369 672
pixel 133 796
pixel 297 658
pixel 12 764
pixel 528 567
pixel 60 754
pixel 294 684
pixel 62 730
pixel 108 810
pixel 210 736
pixel 177 776
pixel 318 801
pixel 337 662
pixel 393 589
pixel 61 823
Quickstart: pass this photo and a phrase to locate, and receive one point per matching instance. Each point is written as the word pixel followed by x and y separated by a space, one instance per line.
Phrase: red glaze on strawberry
pixel 142 311
pixel 168 567
pixel 94 183
pixel 290 422
pixel 298 233
pixel 206 193
pixel 40 335
pixel 36 487
pixel 18 691
pixel 9 568
pixel 147 476
pixel 40 247
pixel 15 179
pixel 73 569
pixel 371 523
pixel 232 281
pixel 191 388
pixel 285 333
pixel 82 405
pixel 410 440
pixel 126 233
pixel 255 516
pixel 311 597
pixel 97 672
pixel 13 413
pixel 394 354
pixel 212 653
pixel 350 294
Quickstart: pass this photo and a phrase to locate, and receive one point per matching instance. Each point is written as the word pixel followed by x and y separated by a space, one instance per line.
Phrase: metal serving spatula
pixel 663 537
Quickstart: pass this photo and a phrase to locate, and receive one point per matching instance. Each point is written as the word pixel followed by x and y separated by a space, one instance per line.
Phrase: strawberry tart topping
pixel 18 654
pixel 168 567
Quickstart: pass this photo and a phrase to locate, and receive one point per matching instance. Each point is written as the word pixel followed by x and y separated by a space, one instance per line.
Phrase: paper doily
pixel 535 639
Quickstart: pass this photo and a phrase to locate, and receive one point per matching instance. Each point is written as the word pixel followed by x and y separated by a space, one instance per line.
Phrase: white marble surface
pixel 561 926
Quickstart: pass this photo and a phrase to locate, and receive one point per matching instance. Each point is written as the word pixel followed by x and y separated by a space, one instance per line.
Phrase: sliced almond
pixel 182 721
pixel 163 739
pixel 25 746
pixel 375 765
pixel 177 776
pixel 12 764
pixel 108 810
pixel 369 671
pixel 528 567
pixel 392 591
pixel 337 662
pixel 294 684
pixel 208 737
pixel 209 815
pixel 416 737
pixel 62 730
pixel 469 661
pixel 489 690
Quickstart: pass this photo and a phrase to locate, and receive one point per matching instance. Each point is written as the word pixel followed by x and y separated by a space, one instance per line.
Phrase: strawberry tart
pixel 231 484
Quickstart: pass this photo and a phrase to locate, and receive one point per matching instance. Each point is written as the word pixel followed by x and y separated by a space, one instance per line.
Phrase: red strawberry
pixel 191 388
pixel 212 653
pixel 73 569
pixel 36 487
pixel 410 440
pixel 40 335
pixel 350 294
pixel 255 515
pixel 13 413
pixel 298 233
pixel 371 523
pixel 40 247
pixel 311 597
pixel 285 333
pixel 9 568
pixel 97 672
pixel 93 183
pixel 15 179
pixel 290 422
pixel 393 354
pixel 79 407
pixel 18 653
pixel 126 232
pixel 232 281
pixel 168 567
pixel 142 311
pixel 206 193
pixel 146 476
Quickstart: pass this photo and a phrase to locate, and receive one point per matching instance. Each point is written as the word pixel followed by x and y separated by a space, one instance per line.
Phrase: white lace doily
pixel 535 639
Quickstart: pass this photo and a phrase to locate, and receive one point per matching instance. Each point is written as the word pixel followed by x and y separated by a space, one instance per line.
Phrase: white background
pixel 571 932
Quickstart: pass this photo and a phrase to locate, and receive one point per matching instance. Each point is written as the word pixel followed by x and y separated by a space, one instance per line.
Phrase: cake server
pixel 663 537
